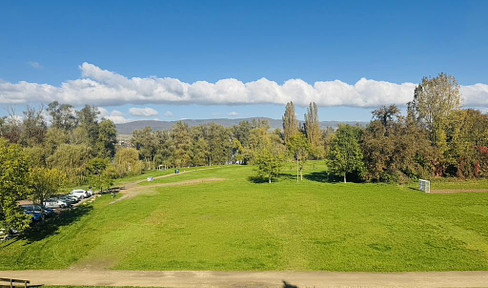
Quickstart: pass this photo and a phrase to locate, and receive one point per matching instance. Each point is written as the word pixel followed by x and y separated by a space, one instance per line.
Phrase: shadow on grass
pixel 51 226
pixel 260 179
pixel 257 179
pixel 322 177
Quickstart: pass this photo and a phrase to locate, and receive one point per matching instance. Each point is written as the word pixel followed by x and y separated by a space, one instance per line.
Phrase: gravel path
pixel 250 279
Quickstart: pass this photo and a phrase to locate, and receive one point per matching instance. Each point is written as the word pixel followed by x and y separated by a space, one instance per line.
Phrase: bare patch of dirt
pixel 133 190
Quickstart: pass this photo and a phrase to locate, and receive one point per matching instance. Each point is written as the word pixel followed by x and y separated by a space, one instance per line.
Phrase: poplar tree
pixel 290 122
pixel 312 130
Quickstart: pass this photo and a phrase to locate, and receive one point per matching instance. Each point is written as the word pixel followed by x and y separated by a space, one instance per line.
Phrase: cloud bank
pixel 106 88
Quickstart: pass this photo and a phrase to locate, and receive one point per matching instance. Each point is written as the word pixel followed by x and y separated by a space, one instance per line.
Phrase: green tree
pixel 37 156
pixel 44 183
pixel 434 101
pixel 345 155
pixel 290 122
pixel 63 116
pixel 299 148
pixel 88 117
pixel 34 127
pixel 54 138
pixel 11 128
pixel 145 141
pixel 164 148
pixel 127 162
pixel 200 148
pixel 13 178
pixel 72 160
pixel 241 132
pixel 107 138
pixel 312 130
pixel 181 139
pixel 268 162
pixel 386 115
pixel 219 143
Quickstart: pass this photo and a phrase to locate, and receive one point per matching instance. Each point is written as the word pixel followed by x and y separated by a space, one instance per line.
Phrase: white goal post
pixel 424 185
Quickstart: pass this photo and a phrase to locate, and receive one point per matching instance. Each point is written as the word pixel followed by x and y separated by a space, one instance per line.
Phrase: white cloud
pixel 116 116
pixel 233 114
pixel 105 88
pixel 168 114
pixel 35 65
pixel 143 112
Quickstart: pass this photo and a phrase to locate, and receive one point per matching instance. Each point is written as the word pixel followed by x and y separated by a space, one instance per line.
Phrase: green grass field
pixel 236 224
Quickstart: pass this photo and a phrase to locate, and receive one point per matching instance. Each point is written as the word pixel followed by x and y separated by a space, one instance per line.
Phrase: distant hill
pixel 129 127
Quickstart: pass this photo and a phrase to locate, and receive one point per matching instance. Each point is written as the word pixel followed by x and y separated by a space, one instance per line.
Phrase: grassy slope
pixel 239 225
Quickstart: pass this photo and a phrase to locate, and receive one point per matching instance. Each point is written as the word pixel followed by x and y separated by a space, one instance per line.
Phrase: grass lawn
pixel 236 224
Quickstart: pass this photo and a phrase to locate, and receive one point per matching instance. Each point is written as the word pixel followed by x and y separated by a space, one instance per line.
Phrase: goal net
pixel 424 185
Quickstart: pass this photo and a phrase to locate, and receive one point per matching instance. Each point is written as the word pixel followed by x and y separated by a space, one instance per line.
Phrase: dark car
pixel 48 212
pixel 29 210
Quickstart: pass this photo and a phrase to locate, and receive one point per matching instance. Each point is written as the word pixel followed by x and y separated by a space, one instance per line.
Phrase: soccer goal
pixel 424 185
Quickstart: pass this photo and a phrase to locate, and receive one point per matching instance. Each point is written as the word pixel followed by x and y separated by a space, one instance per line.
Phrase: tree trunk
pixel 269 179
pixel 344 177
pixel 297 170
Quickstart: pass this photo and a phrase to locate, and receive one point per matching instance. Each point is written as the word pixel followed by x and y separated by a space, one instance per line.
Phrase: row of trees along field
pixel 435 138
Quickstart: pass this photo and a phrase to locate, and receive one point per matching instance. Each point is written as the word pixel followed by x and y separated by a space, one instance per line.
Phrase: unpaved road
pixel 250 279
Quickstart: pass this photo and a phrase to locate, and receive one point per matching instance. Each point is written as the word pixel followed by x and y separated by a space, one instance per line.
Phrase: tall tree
pixel 63 116
pixel 434 100
pixel 312 130
pixel 145 141
pixel 165 148
pixel 299 148
pixel 220 144
pixel 386 115
pixel 290 122
pixel 180 135
pixel 88 117
pixel 13 178
pixel 241 132
pixel 107 138
pixel 34 127
pixel 345 155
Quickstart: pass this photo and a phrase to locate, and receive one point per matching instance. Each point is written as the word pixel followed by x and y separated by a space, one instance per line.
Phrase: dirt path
pixel 133 189
pixel 250 279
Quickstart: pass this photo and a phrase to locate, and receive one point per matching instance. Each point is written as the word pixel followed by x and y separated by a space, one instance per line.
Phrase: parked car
pixel 79 193
pixel 56 203
pixel 70 199
pixel 36 215
pixel 48 212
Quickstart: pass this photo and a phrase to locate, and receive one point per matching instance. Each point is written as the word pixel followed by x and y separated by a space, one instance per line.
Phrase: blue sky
pixel 141 59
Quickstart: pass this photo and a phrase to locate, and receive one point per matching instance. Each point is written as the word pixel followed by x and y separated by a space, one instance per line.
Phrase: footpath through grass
pixel 237 225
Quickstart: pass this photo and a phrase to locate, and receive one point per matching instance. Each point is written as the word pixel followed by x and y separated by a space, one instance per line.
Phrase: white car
pixel 80 194
pixel 55 203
